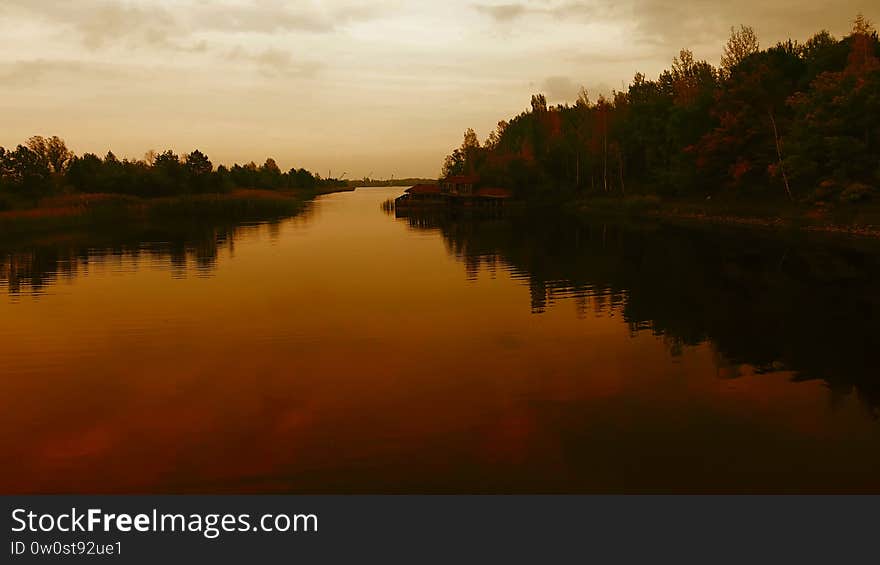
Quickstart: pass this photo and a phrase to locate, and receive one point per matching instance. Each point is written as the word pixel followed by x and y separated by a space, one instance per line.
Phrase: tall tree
pixel 741 43
pixel 836 135
pixel 52 151
pixel 198 164
pixel 26 172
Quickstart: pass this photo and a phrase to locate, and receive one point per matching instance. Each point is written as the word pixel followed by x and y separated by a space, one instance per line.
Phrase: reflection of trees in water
pixel 771 301
pixel 34 264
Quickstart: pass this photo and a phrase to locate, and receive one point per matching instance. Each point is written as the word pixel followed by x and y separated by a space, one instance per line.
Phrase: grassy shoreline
pixel 861 219
pixel 96 209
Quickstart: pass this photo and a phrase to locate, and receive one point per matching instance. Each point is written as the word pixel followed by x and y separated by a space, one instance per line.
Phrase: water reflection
pixel 355 352
pixel 806 304
pixel 32 265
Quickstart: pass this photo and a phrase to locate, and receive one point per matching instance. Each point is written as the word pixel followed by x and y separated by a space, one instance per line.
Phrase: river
pixel 348 350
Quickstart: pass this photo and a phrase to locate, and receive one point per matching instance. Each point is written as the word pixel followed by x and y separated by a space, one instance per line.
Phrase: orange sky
pixel 383 87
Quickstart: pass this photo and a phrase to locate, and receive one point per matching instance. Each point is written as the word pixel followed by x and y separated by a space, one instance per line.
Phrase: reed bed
pixel 83 210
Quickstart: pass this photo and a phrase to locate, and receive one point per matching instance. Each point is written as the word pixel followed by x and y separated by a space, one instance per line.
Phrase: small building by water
pixel 458 190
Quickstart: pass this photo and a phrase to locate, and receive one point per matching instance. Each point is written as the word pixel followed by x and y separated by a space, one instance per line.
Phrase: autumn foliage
pixel 796 121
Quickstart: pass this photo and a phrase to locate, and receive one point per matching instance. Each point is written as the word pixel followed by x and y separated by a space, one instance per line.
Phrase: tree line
pixel 44 166
pixel 796 121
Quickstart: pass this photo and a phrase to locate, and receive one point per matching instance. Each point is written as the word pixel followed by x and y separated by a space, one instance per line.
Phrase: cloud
pixel 30 72
pixel 204 28
pixel 99 23
pixel 274 62
pixel 34 71
pixel 503 12
pixel 113 22
pixel 672 25
pixel 560 89
pixel 274 17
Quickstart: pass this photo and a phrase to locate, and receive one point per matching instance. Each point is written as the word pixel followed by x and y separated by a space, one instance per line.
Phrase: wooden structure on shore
pixel 460 190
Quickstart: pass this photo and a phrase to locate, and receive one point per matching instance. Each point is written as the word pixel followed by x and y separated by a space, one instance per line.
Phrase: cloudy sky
pixel 383 87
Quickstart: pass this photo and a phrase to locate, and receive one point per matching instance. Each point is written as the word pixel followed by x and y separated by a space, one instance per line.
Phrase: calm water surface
pixel 349 350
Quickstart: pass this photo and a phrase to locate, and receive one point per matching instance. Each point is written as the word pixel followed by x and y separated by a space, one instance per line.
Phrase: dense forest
pixel 45 166
pixel 796 121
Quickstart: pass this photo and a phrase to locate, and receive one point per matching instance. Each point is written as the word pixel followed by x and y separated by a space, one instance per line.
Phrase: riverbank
pixel 91 209
pixel 857 219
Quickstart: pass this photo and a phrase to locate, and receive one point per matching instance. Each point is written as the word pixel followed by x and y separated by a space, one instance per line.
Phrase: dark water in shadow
pixel 31 265
pixel 807 304
pixel 348 350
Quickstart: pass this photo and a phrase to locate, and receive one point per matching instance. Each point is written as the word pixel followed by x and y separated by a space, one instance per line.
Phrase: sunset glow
pixel 308 82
